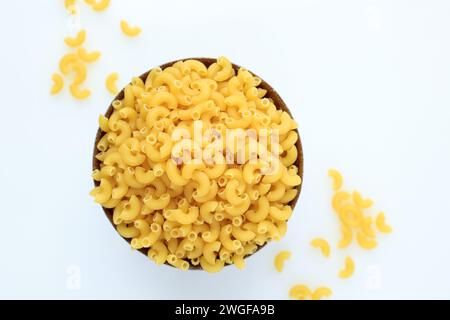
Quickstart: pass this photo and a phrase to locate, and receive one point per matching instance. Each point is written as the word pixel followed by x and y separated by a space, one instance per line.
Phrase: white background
pixel 368 81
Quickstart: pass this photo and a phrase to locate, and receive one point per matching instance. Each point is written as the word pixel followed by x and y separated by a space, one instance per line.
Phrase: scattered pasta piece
pixel 339 199
pixel 111 83
pixel 360 202
pixel 381 223
pixel 80 73
pixel 98 5
pixel 88 56
pixel 300 292
pixel 70 6
pixel 347 237
pixel 128 30
pixel 348 270
pixel 58 83
pixel 67 61
pixel 320 293
pixel 79 93
pixel 323 245
pixel 337 179
pixel 365 242
pixel 350 215
pixel 76 41
pixel 366 227
pixel 280 259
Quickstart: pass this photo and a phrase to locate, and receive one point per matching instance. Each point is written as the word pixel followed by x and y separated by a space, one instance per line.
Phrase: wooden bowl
pixel 271 93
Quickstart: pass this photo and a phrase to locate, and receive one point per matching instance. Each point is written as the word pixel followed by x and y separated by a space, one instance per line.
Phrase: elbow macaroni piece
pixel 77 40
pixel 110 83
pixel 320 293
pixel 280 259
pixel 208 213
pixel 58 83
pixel 128 30
pixel 381 223
pixel 300 292
pixel 348 270
pixel 323 245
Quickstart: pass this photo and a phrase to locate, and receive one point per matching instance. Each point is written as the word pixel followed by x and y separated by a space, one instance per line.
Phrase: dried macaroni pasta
pixel 210 211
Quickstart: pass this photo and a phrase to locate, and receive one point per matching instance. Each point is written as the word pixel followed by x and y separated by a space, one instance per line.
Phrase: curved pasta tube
pixel 203 183
pixel 277 191
pixel 320 293
pixel 381 223
pixel 213 189
pixel 350 215
pixel 197 251
pixel 58 83
pixel 110 83
pixel 231 192
pixel 248 173
pixel 158 154
pixel 365 242
pixel 269 227
pixel 339 199
pixel 213 233
pixel 180 216
pixel 174 174
pixel 88 57
pixel 347 237
pixel 177 262
pixel 127 231
pixel 158 252
pixel 360 202
pixel 238 261
pixel 128 30
pixel 290 140
pixel 188 169
pixel 290 179
pixel 155 114
pixel 348 269
pixel 323 245
pixel 121 188
pixel 299 292
pixel 79 93
pixel 280 259
pixel 129 152
pixel 289 195
pixel 366 227
pixel 77 40
pixel 210 251
pixel 337 179
pixel 225 239
pixel 290 157
pixel 132 209
pixel 280 214
pixel 99 5
pixel 103 192
pixel 157 203
pixel 238 210
pixel 211 268
pixel 262 211
pixel 196 66
pixel 207 209
pixel 225 69
pixel 114 158
pixel 130 180
pixel 242 235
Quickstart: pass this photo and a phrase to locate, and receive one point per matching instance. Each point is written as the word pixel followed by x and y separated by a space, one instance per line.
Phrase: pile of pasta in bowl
pixel 198 164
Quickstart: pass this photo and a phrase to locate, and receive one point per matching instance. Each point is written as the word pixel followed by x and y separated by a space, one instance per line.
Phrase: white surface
pixel 368 82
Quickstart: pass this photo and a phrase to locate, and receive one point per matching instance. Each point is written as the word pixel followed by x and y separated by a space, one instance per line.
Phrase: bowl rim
pixel 271 93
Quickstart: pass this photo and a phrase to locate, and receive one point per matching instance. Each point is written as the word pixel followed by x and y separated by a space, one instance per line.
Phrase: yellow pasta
pixel 348 269
pixel 88 56
pixel 381 224
pixel 323 245
pixel 280 259
pixel 189 200
pixel 79 93
pixel 337 179
pixel 300 292
pixel 128 30
pixel 320 293
pixel 110 83
pixel 76 41
pixel 360 202
pixel 347 237
pixel 58 83
pixel 366 242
